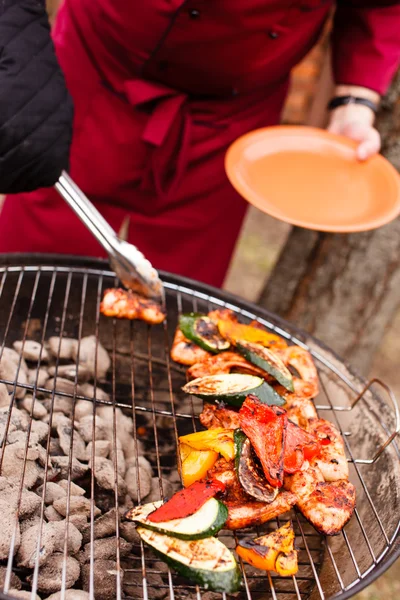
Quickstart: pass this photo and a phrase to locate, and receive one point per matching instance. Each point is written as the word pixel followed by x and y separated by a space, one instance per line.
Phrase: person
pixel 160 89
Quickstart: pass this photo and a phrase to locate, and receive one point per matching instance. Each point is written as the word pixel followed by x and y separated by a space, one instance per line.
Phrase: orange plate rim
pixel 234 151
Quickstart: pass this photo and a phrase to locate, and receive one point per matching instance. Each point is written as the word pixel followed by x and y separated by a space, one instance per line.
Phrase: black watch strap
pixel 343 100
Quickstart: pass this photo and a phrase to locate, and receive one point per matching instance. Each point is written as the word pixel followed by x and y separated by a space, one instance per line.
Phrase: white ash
pixel 68 437
pixel 138 482
pixel 70 594
pixel 51 514
pixel 105 579
pixel 28 550
pixel 66 386
pixel 31 350
pixel 104 526
pixel 62 463
pixel 79 520
pixel 61 404
pixel 82 409
pixel 8 526
pixel 93 356
pixel 72 372
pixel 33 406
pixel 54 447
pixel 105 549
pixel 50 574
pixel 38 377
pixel 74 536
pixel 105 476
pixel 18 418
pixel 15 581
pixel 22 594
pixel 14 357
pixel 140 462
pixel 97 393
pixel 5 397
pixel 15 468
pixel 53 492
pixel 101 448
pixel 85 428
pixel 77 505
pixel 155 494
pixel 29 503
pixel 133 448
pixel 40 429
pixel 127 530
pixel 65 349
pixel 13 372
pixel 156 588
pixel 120 457
pixel 74 490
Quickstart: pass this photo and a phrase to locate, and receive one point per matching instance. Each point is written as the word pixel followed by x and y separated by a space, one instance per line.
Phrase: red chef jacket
pixel 161 88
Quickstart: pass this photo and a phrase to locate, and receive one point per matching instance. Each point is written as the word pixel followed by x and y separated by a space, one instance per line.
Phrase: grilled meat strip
pixel 327 506
pixel 243 510
pixel 213 416
pixel 125 304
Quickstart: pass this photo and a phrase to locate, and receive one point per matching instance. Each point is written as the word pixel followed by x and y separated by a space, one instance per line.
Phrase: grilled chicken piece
pixel 125 304
pixel 243 510
pixel 225 362
pixel 212 416
pixel 305 386
pixel 327 506
pixel 299 410
pixel 185 352
pixel 332 460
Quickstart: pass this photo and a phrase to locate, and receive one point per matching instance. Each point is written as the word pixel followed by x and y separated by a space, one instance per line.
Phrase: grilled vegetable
pixel 207 562
pixel 202 331
pixel 265 426
pixel 233 388
pixel 195 463
pixel 205 522
pixel 299 446
pixel 187 501
pixel 249 475
pixel 267 360
pixel 272 551
pixel 237 332
pixel 219 439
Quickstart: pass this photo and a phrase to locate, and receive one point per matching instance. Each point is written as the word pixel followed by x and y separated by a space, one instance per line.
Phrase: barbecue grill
pixel 43 296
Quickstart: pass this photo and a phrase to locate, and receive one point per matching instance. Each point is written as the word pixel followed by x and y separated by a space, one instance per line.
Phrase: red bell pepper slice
pixel 300 446
pixel 187 501
pixel 265 426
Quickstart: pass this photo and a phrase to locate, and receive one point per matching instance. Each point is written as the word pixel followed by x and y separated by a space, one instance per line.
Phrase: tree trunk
pixel 344 289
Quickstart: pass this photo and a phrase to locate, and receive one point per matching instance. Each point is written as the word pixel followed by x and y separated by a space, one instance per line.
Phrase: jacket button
pixel 194 14
pixel 273 35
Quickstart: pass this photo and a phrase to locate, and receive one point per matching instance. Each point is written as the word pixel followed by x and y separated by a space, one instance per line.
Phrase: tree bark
pixel 344 289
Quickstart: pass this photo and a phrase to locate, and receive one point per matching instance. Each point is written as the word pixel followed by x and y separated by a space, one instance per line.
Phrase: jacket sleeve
pixel 366 43
pixel 35 107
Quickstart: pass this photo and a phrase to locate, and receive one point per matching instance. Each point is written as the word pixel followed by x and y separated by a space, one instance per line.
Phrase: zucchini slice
pixel 233 388
pixel 206 562
pixel 251 478
pixel 205 522
pixel 268 361
pixel 202 331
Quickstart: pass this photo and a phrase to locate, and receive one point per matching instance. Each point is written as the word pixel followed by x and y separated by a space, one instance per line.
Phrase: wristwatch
pixel 343 100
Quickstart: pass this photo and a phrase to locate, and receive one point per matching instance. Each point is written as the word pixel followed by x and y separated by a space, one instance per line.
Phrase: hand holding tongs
pixel 129 264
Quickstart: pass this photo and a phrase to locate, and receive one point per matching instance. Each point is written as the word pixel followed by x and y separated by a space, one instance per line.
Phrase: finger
pixel 369 146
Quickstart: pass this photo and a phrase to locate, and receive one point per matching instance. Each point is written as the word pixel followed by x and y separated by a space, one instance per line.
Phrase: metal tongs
pixel 129 264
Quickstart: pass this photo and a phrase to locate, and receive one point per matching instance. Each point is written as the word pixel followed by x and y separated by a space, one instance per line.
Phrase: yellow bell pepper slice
pixel 272 552
pixel 236 332
pixel 219 440
pixel 195 464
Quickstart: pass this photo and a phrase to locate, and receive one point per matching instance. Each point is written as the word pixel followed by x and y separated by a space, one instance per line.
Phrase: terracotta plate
pixel 311 178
